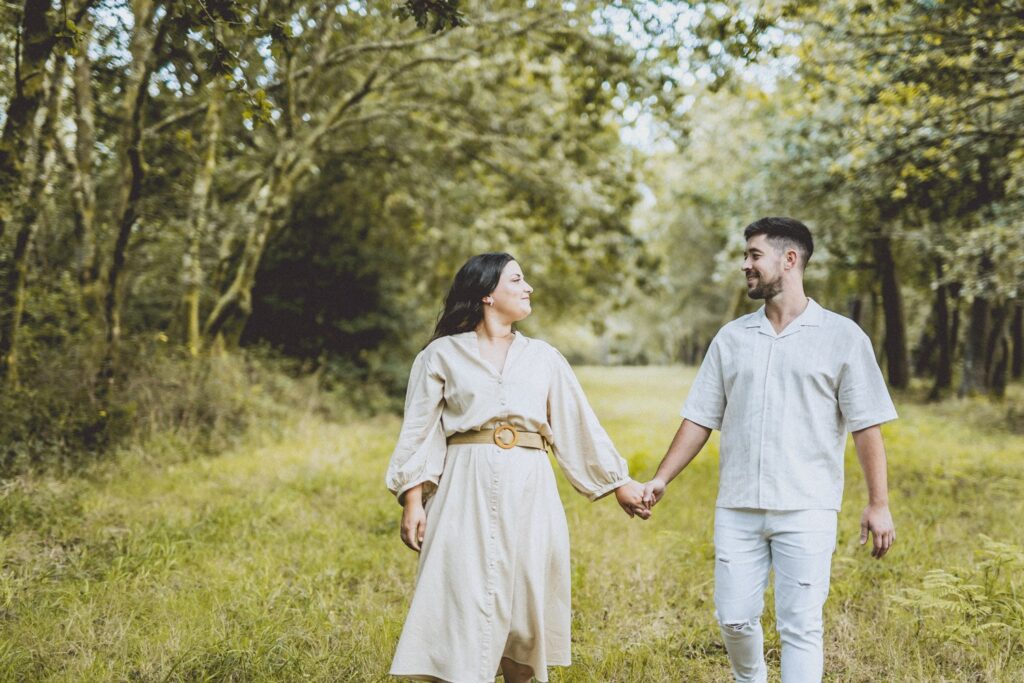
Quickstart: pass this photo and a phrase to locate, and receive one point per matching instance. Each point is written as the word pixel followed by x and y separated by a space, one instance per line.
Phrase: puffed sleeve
pixel 581 446
pixel 420 452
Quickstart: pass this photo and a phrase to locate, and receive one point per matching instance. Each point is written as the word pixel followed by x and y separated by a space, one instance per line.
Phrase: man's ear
pixel 792 258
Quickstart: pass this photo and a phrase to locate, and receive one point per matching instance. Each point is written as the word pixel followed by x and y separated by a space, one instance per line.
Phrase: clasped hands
pixel 638 499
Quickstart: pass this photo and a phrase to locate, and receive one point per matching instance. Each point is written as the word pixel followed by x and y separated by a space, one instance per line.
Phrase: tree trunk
pixel 895 326
pixel 83 187
pixel 1000 368
pixel 1017 340
pixel 873 324
pixel 997 351
pixel 923 355
pixel 227 320
pixel 855 307
pixel 944 340
pixel 973 381
pixel 954 323
pixel 35 41
pixel 12 298
pixel 192 271
pixel 143 47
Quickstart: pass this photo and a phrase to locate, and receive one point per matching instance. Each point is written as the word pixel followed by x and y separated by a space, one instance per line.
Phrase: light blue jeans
pixel 798 545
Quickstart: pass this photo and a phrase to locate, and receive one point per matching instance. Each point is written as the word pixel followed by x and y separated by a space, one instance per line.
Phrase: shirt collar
pixel 811 317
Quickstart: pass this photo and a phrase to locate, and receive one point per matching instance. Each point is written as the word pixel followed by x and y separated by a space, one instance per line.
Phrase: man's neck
pixel 784 308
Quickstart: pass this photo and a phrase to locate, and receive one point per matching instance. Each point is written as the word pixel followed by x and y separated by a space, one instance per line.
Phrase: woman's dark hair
pixel 464 307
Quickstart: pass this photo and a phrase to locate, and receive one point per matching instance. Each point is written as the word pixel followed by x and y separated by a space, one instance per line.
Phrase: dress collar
pixel 472 347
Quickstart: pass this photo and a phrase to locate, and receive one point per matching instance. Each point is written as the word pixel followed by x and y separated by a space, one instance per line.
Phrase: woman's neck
pixel 493 330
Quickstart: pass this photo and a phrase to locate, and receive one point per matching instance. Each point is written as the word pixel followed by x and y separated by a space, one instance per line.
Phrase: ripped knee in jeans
pixel 738 626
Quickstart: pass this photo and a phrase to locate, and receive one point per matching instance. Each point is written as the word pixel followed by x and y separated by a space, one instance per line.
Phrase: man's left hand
pixel 878 521
pixel 630 497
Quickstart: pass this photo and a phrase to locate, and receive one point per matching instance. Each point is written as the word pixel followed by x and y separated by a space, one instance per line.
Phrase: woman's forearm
pixel 413 496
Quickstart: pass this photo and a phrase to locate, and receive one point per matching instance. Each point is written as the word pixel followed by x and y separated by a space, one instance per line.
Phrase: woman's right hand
pixel 414 518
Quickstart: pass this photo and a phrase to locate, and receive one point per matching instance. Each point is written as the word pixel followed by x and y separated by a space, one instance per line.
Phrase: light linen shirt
pixel 783 403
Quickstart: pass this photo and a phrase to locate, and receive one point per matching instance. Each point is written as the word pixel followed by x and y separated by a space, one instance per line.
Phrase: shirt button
pixel 500 380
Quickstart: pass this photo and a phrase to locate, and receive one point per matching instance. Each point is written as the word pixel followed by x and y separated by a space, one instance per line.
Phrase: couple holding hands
pixel 480 503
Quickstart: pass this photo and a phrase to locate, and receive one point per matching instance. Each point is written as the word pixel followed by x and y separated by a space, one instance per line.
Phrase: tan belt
pixel 504 436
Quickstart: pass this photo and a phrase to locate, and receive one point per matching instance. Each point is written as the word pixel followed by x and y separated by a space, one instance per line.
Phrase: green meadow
pixel 280 559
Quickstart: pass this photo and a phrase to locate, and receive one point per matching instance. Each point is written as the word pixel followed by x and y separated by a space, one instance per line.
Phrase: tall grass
pixel 280 559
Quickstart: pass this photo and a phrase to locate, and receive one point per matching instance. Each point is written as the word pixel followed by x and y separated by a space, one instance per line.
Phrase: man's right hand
pixel 653 491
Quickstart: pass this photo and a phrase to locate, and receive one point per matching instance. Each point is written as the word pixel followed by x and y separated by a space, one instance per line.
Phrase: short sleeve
pixel 419 455
pixel 580 444
pixel 705 404
pixel 863 397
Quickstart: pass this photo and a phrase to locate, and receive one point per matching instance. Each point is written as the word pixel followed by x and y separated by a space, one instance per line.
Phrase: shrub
pixel 58 420
pixel 978 608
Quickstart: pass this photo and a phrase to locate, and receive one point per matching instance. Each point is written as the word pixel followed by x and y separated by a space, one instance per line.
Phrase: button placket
pixel 764 423
pixel 491 579
pixel 502 398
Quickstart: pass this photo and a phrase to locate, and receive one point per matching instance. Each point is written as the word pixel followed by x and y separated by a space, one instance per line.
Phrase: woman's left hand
pixel 414 519
pixel 630 497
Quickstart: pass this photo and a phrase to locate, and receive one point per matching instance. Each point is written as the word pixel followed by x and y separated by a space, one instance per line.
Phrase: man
pixel 783 385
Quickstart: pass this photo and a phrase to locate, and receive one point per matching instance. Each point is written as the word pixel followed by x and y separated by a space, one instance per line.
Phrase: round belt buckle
pixel 503 441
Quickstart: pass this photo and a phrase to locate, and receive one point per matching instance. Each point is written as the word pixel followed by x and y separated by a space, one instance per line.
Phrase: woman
pixel 479 495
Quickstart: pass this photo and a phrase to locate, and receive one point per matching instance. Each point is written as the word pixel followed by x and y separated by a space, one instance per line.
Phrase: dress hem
pixel 438 679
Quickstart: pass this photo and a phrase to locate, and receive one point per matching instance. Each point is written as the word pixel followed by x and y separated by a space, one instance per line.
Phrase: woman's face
pixel 512 295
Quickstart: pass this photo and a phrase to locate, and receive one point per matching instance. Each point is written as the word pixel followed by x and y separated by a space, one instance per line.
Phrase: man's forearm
pixel 686 444
pixel 871 453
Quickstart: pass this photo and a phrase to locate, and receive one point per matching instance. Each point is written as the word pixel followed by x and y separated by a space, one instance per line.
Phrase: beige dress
pixel 494 576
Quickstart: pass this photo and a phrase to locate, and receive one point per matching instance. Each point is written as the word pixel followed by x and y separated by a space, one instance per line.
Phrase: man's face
pixel 763 266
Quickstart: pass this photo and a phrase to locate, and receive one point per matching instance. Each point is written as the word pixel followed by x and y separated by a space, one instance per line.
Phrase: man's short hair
pixel 787 233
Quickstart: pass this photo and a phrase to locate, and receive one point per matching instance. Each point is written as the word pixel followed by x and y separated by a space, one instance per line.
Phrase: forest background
pixel 226 227
pixel 196 190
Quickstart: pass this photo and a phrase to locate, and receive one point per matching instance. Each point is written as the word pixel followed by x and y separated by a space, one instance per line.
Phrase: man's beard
pixel 765 290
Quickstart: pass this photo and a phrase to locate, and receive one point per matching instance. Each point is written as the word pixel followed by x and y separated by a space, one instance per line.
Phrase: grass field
pixel 281 560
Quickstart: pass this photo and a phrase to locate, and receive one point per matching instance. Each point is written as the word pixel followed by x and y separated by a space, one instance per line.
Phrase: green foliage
pixel 358 161
pixel 437 14
pixel 978 609
pixel 361 157
pixel 193 406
